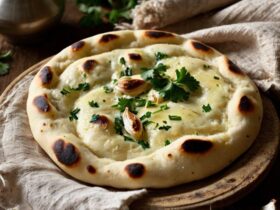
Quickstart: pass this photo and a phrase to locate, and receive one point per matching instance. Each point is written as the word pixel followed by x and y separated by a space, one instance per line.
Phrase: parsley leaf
pixel 94 118
pixel 122 61
pixel 150 104
pixel 164 127
pixel 144 144
pixel 160 56
pixel 175 117
pixel 82 86
pixel 217 78
pixel 73 114
pixel 127 138
pixel 107 89
pixel 146 115
pixel 126 72
pixel 206 108
pixel 93 104
pixel 173 92
pixel 4 68
pixel 184 77
pixel 162 108
pixel 119 125
pixel 131 103
pixel 167 142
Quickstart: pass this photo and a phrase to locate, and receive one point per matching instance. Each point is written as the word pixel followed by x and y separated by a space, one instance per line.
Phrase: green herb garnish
pixel 122 61
pixel 146 115
pixel 175 117
pixel 144 144
pixel 164 127
pixel 94 118
pixel 183 77
pixel 162 108
pixel 150 104
pixel 82 86
pixel 107 89
pixel 160 56
pixel 127 138
pixel 97 12
pixel 4 67
pixel 131 103
pixel 205 66
pixel 93 104
pixel 73 114
pixel 119 125
pixel 217 78
pixel 167 142
pixel 206 108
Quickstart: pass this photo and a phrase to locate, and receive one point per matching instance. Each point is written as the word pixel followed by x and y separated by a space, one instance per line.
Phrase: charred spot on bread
pixel 245 105
pixel 200 46
pixel 89 65
pixel 234 68
pixel 66 153
pixel 42 104
pixel 158 34
pixel 134 56
pixel 77 46
pixel 196 146
pixel 108 38
pixel 135 170
pixel 46 75
pixel 91 169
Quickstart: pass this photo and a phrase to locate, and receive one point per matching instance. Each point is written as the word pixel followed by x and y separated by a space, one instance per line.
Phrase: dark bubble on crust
pixel 246 104
pixel 77 46
pixel 200 46
pixel 66 153
pixel 46 75
pixel 135 170
pixel 158 34
pixel 41 102
pixel 108 38
pixel 196 146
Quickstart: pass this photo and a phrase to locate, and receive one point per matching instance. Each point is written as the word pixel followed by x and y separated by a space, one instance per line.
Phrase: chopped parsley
pixel 167 142
pixel 94 118
pixel 122 61
pixel 93 104
pixel 174 90
pixel 73 114
pixel 162 108
pixel 131 103
pixel 107 89
pixel 146 115
pixel 160 56
pixel 119 125
pixel 217 78
pixel 147 122
pixel 150 104
pixel 174 117
pixel 144 144
pixel 82 86
pixel 4 67
pixel 206 108
pixel 184 78
pixel 164 127
pixel 127 71
pixel 127 138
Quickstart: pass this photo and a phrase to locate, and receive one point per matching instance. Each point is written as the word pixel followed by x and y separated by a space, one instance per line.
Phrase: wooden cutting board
pixel 219 190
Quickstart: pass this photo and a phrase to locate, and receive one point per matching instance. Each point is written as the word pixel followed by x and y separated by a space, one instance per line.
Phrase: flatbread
pixel 74 104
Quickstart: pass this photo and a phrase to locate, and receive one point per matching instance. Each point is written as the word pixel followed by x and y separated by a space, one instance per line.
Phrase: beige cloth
pixel 247 31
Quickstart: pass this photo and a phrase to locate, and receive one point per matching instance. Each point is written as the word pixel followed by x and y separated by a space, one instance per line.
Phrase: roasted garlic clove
pixel 132 124
pixel 100 120
pixel 132 86
pixel 155 97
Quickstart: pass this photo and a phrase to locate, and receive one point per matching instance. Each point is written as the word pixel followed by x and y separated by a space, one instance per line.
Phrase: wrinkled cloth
pixel 248 31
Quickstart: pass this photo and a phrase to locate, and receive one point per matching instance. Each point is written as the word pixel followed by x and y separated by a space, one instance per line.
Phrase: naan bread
pixel 74 109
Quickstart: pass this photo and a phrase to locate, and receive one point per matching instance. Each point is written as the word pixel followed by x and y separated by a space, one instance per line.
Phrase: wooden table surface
pixel 69 32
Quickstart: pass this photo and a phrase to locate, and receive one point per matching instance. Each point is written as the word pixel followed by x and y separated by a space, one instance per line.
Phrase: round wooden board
pixel 221 189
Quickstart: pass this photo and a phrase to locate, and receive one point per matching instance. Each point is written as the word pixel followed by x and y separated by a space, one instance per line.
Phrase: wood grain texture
pixel 218 191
